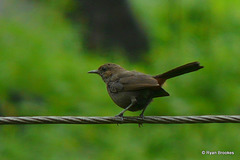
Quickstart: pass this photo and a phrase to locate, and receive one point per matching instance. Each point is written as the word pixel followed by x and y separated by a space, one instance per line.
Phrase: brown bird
pixel 133 90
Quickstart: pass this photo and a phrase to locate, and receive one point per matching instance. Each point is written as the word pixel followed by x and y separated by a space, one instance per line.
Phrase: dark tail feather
pixel 160 93
pixel 190 67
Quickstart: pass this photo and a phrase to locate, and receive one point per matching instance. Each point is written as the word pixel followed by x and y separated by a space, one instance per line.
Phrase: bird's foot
pixel 119 116
pixel 142 117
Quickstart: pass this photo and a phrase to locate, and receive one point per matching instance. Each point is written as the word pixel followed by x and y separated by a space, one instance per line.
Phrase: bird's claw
pixel 119 116
pixel 142 117
pixel 140 125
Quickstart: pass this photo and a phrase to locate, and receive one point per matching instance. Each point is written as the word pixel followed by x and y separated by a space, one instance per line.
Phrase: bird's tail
pixel 190 67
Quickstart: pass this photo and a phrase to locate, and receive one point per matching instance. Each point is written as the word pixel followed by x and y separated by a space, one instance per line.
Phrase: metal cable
pixel 118 120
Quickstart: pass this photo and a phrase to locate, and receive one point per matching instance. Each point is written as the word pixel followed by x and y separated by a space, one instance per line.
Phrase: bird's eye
pixel 104 69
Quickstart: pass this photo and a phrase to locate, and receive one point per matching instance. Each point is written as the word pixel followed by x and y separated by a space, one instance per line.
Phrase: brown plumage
pixel 133 90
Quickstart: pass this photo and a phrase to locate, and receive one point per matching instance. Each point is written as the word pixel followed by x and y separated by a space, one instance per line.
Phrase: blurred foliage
pixel 43 71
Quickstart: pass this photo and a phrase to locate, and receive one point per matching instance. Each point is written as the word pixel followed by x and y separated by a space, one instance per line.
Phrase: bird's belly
pixel 123 99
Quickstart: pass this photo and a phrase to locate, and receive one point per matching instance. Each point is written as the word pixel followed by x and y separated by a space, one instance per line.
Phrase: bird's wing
pixel 138 82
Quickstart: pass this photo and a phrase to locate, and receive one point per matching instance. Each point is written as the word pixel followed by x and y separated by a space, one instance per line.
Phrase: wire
pixel 118 120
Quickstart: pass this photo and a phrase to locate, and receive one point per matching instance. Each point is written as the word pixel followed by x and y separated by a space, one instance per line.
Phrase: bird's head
pixel 106 71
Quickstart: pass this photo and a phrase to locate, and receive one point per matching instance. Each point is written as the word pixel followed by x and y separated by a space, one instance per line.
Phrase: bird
pixel 134 91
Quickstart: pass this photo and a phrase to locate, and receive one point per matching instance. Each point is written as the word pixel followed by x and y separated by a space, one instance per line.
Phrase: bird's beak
pixel 94 71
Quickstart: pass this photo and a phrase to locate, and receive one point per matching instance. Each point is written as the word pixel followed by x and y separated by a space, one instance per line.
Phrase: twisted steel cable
pixel 118 120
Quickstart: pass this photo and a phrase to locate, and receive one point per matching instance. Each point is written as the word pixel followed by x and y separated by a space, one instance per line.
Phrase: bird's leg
pixel 133 101
pixel 141 115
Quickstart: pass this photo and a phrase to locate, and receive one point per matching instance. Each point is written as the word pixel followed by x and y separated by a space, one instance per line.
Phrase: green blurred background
pixel 43 71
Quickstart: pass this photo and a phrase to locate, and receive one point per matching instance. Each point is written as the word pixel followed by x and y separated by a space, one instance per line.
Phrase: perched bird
pixel 133 90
